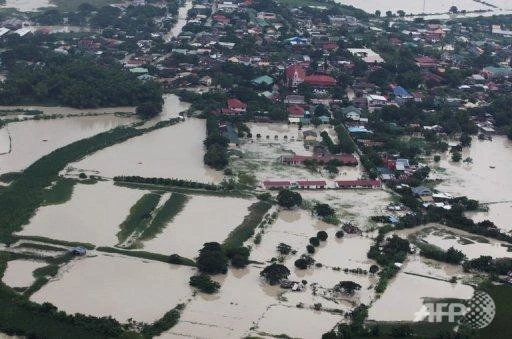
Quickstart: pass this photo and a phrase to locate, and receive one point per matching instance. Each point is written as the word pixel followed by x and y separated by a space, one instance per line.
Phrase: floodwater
pixel 172 152
pixel 182 21
pixel 27 5
pixel 416 6
pixel 172 107
pixel 61 110
pixel 30 140
pixel 292 321
pixel 19 272
pixel 120 286
pixel 410 290
pixel 93 214
pixel 5 144
pixel 204 219
pixel 480 181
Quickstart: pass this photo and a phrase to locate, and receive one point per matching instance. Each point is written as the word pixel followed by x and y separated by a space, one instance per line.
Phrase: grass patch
pixel 9 176
pixel 183 190
pixel 139 217
pixel 245 230
pixel 164 215
pixel 36 286
pixel 178 260
pixel 54 241
pixel 42 247
pixel 59 193
pixel 169 320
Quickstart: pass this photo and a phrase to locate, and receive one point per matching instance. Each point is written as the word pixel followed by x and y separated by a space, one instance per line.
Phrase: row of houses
pixel 344 159
pixel 322 184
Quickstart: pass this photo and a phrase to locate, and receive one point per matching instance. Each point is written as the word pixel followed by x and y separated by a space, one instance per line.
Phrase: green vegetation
pixel 140 216
pixel 164 215
pixel 173 259
pixel 216 155
pixel 220 193
pixel 204 283
pixel 212 259
pixel 9 176
pixel 288 199
pixel 54 241
pixel 274 273
pixel 163 324
pixel 451 256
pixel 60 192
pixel 74 81
pixel 67 5
pixel 245 230
pixel 167 182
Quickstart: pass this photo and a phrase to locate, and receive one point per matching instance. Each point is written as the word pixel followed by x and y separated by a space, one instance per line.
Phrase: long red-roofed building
pixel 360 183
pixel 312 184
pixel 269 184
pixel 345 159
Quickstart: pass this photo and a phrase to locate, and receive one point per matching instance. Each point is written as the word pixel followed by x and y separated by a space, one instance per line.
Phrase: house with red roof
pixel 296 75
pixel 360 183
pixel 296 111
pixel 426 62
pixel 311 184
pixel 235 107
pixel 320 80
pixel 270 185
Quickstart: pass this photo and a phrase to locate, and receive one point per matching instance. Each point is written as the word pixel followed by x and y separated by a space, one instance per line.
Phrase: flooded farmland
pixel 108 283
pixel 19 272
pixel 30 140
pixel 202 220
pixel 486 179
pixel 410 291
pixel 171 152
pixel 93 215
pixel 27 5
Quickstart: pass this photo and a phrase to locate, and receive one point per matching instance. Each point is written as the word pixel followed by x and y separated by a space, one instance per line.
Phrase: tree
pixel 465 140
pixel 212 259
pixel 389 14
pixel 340 234
pixel 288 199
pixel 304 262
pixel 377 13
pixel 274 273
pixel 204 283
pixel 437 158
pixel 239 256
pixel 323 210
pixel 456 156
pixel 400 13
pixel 454 10
pixel 316 121
pixel 314 241
pixel 310 249
pixel 321 110
pixel 374 269
pixel 284 249
pixel 468 160
pixel 322 235
pixel 347 287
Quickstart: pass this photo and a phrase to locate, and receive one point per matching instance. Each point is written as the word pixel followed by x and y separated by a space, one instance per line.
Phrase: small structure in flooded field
pixel 79 250
pixel 295 286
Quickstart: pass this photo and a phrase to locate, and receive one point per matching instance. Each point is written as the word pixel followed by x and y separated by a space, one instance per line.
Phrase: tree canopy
pixel 274 273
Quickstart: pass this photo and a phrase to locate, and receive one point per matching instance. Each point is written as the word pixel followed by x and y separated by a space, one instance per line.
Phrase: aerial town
pixel 255 169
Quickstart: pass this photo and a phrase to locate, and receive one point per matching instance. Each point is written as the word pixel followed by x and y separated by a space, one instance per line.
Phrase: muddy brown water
pixel 19 272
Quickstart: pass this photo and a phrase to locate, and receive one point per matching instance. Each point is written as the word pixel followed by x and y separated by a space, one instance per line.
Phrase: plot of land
pixel 93 215
pixel 203 219
pixel 119 286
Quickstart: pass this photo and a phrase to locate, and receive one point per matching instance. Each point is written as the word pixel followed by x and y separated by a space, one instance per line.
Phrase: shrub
pixel 284 249
pixel 204 283
pixel 82 175
pixel 322 235
pixel 374 269
pixel 310 249
pixel 314 241
pixel 340 234
pixel 301 264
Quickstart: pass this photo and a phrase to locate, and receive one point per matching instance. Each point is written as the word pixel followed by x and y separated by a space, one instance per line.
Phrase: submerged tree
pixel 274 273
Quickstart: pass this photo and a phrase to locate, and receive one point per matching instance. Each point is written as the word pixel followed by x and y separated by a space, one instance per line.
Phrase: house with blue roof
pixel 401 95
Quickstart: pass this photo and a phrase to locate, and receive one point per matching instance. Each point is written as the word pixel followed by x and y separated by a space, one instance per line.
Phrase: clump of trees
pixel 451 256
pixel 284 249
pixel 347 287
pixel 274 273
pixel 204 283
pixel 288 198
pixel 212 259
pixel 216 155
pixel 239 256
pixel 304 262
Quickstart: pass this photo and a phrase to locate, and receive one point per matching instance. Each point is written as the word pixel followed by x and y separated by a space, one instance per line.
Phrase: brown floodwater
pixel 204 219
pixel 182 21
pixel 480 181
pixel 49 110
pixel 172 152
pixel 93 215
pixel 32 139
pixel 19 272
pixel 119 286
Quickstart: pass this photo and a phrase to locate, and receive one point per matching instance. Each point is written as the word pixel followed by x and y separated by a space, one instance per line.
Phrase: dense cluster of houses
pixel 322 184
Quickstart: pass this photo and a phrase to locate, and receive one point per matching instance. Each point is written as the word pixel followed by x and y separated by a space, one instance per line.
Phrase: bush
pixel 310 249
pixel 322 235
pixel 314 241
pixel 301 264
pixel 374 269
pixel 340 234
pixel 82 175
pixel 284 249
pixel 204 283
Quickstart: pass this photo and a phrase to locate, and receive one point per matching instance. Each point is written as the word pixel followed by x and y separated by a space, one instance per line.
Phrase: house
pixel 426 62
pixel 492 72
pixel 344 159
pixel 270 185
pixel 234 107
pixel 311 184
pixel 296 75
pixel 401 95
pixel 205 81
pixel 422 191
pixel 375 101
pixel 367 55
pixel 320 80
pixel 264 80
pixel 361 183
pixel 79 250
pixel 296 111
pixel 401 164
pixel 294 99
pixel 352 113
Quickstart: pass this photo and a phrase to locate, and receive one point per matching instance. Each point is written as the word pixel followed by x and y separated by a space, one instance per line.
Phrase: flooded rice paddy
pixel 19 272
pixel 406 293
pixel 171 152
pixel 32 139
pixel 486 179
pixel 93 214
pixel 204 219
pixel 123 287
